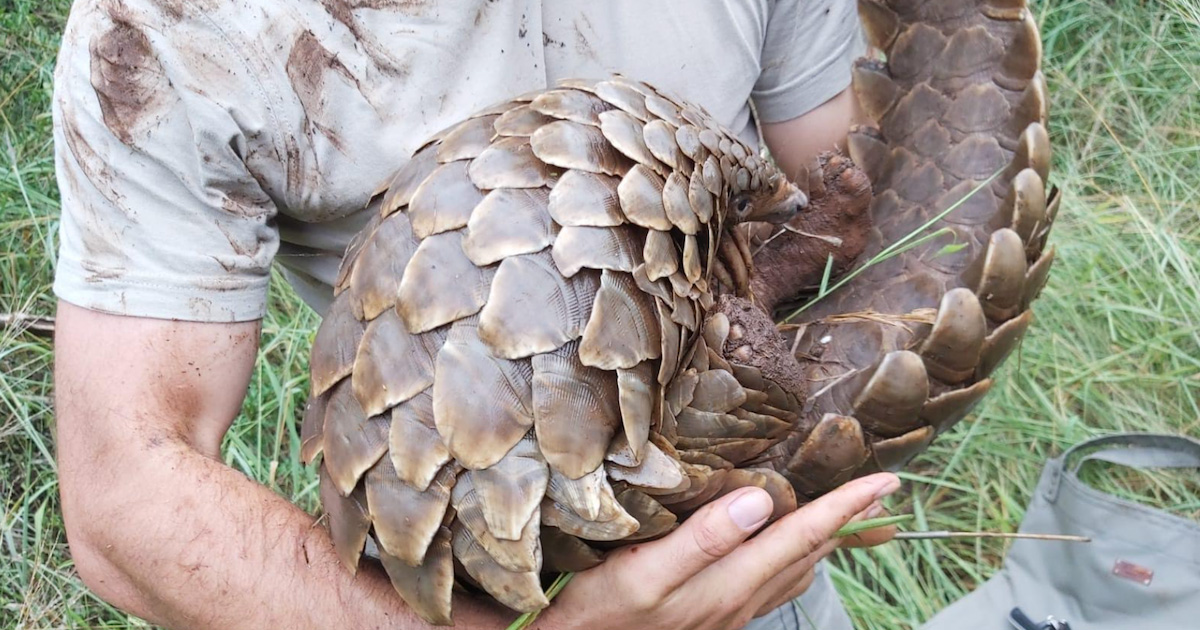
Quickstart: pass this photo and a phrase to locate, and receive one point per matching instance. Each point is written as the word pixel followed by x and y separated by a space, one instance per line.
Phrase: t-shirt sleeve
pixel 160 215
pixel 807 54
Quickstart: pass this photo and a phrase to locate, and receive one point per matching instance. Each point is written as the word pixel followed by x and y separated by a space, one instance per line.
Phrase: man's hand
pixel 706 575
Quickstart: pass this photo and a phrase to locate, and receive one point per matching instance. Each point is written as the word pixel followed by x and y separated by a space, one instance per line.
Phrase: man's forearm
pixel 187 542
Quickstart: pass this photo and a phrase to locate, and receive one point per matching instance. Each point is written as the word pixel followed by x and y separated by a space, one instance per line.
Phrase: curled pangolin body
pixel 547 343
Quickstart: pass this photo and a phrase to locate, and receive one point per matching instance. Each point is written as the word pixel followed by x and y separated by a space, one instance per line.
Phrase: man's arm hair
pixel 157 524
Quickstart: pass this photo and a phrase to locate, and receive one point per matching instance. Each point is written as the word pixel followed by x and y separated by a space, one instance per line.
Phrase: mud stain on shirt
pixel 133 90
pixel 307 68
pixel 379 53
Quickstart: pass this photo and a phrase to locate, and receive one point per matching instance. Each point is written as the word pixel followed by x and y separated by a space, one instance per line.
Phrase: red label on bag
pixel 1133 572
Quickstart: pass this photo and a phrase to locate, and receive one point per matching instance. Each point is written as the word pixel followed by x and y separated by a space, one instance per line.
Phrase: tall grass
pixel 1116 344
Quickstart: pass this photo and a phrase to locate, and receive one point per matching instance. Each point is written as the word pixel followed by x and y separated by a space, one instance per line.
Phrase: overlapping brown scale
pixel 572 145
pixel 511 163
pixel 704 458
pixel 659 255
pixel 879 23
pixel 969 52
pixel 876 91
pixel 444 201
pixel 717 391
pixel 426 589
pixel 636 393
pixel 1023 55
pixel 427 300
pixel 626 134
pixel 1028 202
pixel 658 288
pixel 348 518
pixel 678 205
pixel 510 491
pixel 624 96
pixel 892 453
pixel 623 330
pixel 335 346
pixel 657 470
pixel 951 351
pixel 521 591
pixel 704 484
pixel 581 198
pixel 482 405
pixel 393 365
pixel 889 403
pixel 467 140
pixel 1036 277
pixel 520 555
pixel 641 196
pixel 829 457
pixel 571 104
pixel 1033 151
pixel 375 283
pixel 508 222
pixel 586 508
pixel 687 137
pixel 416 449
pixel 693 423
pixel 405 182
pixel 520 121
pixel 945 410
pixel 659 137
pixel 576 410
pixel 312 428
pixel 511 329
pixel 352 441
pixel 1002 341
pixel 663 108
pixel 653 519
pixel 618 249
pixel 589 496
pixel 783 496
pixel 563 552
pixel 350 257
pixel 405 519
pixel 672 339
pixel 1003 278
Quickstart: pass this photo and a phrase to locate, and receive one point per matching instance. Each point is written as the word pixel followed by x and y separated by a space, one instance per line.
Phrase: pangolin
pixel 558 334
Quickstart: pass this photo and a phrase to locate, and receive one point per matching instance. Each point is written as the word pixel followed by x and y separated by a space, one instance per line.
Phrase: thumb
pixel 707 536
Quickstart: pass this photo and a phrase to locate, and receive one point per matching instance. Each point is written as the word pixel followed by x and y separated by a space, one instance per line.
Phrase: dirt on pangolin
pixel 755 341
pixel 835 223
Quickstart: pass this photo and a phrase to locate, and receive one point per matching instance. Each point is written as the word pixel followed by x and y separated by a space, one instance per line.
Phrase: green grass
pixel 1116 344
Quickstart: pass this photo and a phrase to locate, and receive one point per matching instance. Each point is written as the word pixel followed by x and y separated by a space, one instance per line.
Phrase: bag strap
pixel 1136 450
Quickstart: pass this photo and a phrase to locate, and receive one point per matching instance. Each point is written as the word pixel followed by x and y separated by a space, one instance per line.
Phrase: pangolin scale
pixel 558 333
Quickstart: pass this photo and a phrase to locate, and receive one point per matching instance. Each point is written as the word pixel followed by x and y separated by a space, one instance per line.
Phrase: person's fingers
pixel 870 537
pixel 797 588
pixel 804 531
pixel 704 538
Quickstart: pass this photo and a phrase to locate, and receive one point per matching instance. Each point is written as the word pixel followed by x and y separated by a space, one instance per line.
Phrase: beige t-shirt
pixel 197 141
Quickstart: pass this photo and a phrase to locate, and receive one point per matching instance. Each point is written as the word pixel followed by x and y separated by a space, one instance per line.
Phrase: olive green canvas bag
pixel 1141 570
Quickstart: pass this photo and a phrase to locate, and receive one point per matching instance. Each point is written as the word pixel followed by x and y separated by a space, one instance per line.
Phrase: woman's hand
pixel 706 575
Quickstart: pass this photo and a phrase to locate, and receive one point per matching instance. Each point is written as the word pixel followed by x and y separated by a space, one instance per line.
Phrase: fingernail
pixel 751 510
pixel 873 511
pixel 888 485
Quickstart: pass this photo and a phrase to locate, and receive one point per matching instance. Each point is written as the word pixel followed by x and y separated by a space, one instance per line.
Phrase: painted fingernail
pixel 750 510
pixel 888 485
